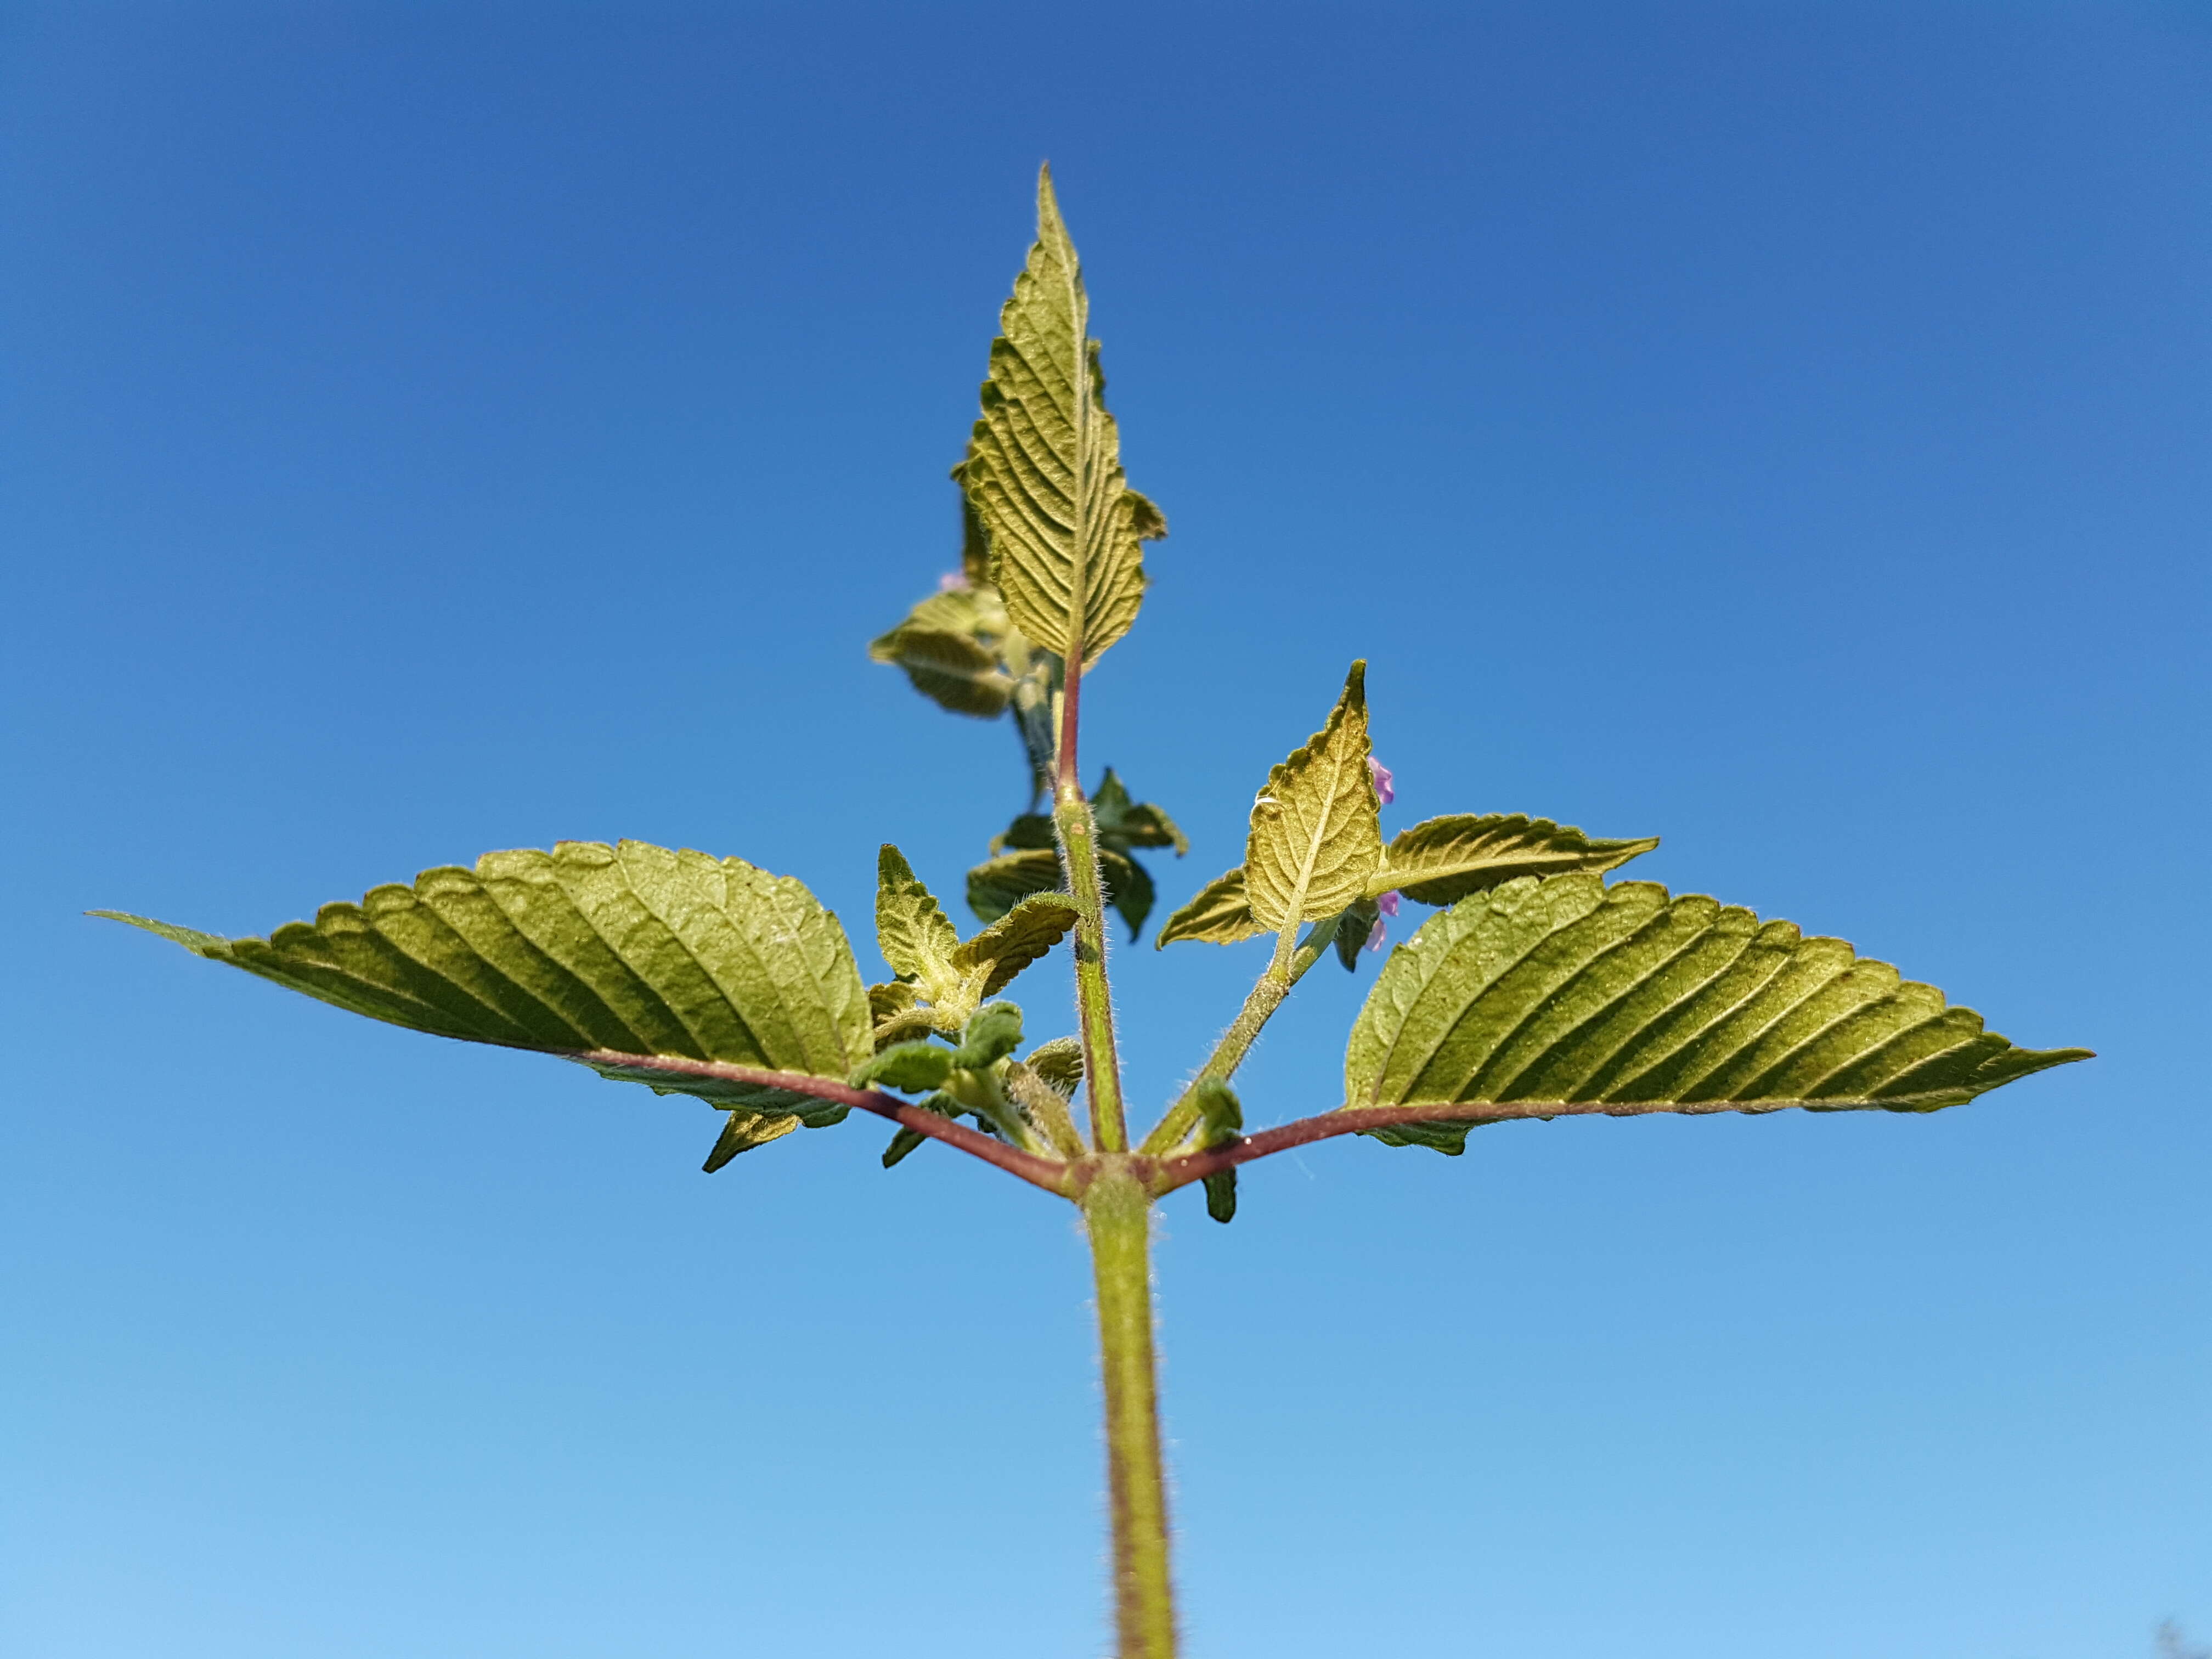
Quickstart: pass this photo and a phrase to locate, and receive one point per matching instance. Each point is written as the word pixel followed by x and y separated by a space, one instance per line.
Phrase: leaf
pixel 630 947
pixel 1567 990
pixel 951 670
pixel 1044 470
pixel 1129 888
pixel 913 1067
pixel 1352 930
pixel 1220 1123
pixel 1059 1064
pixel 1314 837
pixel 991 1034
pixel 1124 824
pixel 1032 832
pixel 1219 914
pixel 907 1139
pixel 1016 940
pixel 1442 860
pixel 916 936
pixel 746 1130
pixel 996 887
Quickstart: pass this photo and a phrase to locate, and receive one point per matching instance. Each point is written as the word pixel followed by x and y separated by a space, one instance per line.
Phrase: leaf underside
pixel 1564 990
pixel 995 887
pixel 1315 839
pixel 1220 914
pixel 1043 469
pixel 632 948
pixel 1443 859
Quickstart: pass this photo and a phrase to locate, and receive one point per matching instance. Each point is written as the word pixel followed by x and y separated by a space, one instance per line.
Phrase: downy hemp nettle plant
pixel 1536 990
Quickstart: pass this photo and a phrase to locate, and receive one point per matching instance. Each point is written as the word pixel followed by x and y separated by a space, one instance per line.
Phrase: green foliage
pixel 946 978
pixel 950 646
pixel 1044 468
pixel 742 1131
pixel 1220 1123
pixel 1564 990
pixel 1352 929
pixel 629 948
pixel 1441 860
pixel 1315 837
pixel 915 1067
pixel 991 1034
pixel 1059 1063
pixel 1220 914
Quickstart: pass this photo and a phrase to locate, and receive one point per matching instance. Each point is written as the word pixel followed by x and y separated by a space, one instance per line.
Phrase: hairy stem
pixel 1166 1176
pixel 1079 845
pixel 1119 1215
pixel 1285 969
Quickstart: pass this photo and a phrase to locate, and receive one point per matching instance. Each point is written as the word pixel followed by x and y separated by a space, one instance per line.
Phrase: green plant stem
pixel 1102 1065
pixel 1285 969
pixel 1119 1215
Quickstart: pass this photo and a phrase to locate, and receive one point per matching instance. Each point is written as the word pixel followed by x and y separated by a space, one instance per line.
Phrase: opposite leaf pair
pixel 1314 851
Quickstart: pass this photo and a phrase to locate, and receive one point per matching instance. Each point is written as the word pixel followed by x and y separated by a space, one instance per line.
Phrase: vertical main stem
pixel 1102 1064
pixel 1119 1215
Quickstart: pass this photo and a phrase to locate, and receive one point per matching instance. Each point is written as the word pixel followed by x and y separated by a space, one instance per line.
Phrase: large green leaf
pixel 1443 859
pixel 1044 470
pixel 1219 914
pixel 1315 839
pixel 632 948
pixel 1564 990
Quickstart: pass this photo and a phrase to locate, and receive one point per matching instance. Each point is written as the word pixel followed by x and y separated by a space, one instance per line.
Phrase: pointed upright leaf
pixel 1443 859
pixel 1314 838
pixel 1044 467
pixel 913 932
pixel 631 948
pixel 1567 990
pixel 1220 914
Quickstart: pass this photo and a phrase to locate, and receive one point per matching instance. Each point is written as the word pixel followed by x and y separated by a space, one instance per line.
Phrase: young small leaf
pixel 1314 838
pixel 991 1034
pixel 1059 1064
pixel 907 1139
pixel 912 930
pixel 1124 824
pixel 913 1067
pixel 1564 990
pixel 631 947
pixel 1129 888
pixel 1351 931
pixel 1044 470
pixel 746 1130
pixel 1220 914
pixel 1220 1123
pixel 996 887
pixel 1443 859
pixel 1016 940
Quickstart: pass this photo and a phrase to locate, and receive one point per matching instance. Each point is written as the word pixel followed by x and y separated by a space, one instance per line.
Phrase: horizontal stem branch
pixel 1172 1173
pixel 1038 1171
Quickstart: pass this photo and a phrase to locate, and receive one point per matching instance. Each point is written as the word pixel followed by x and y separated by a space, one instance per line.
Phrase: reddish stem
pixel 1196 1166
pixel 1038 1171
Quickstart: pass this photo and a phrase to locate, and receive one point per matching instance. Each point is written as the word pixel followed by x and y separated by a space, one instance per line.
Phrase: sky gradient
pixel 423 430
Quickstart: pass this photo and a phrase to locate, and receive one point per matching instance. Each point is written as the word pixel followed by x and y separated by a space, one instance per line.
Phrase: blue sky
pixel 1781 429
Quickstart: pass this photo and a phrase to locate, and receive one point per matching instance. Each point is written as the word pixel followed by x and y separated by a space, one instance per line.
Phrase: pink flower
pixel 1381 773
pixel 952 581
pixel 1388 904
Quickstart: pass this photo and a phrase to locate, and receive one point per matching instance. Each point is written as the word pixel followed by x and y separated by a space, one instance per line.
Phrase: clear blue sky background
pixel 1781 429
